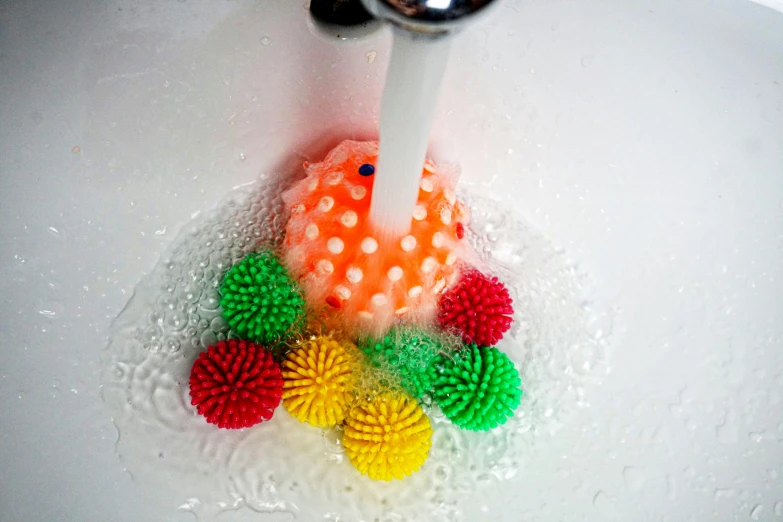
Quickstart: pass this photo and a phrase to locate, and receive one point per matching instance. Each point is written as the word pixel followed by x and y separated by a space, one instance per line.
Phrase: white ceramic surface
pixel 641 136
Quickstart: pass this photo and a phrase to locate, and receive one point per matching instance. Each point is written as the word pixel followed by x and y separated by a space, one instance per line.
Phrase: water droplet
pixel 671 487
pixel 779 509
pixel 191 293
pixel 605 505
pixel 723 493
pixel 210 302
pixel 208 338
pixel 759 436
pixel 634 478
pixel 265 40
pixel 172 345
pixel 332 444
pixel 176 320
pixel 756 512
pixel 727 433
pixel 58 233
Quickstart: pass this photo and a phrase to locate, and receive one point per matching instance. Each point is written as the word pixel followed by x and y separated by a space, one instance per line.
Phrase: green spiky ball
pixel 260 300
pixel 408 353
pixel 478 389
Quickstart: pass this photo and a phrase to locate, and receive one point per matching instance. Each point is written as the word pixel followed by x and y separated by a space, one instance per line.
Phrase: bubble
pixel 210 302
pixel 176 320
pixel 152 346
pixel 218 324
pixel 208 338
pixel 166 302
pixel 172 345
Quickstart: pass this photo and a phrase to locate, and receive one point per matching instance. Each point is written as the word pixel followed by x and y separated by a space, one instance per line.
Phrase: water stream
pixel 409 96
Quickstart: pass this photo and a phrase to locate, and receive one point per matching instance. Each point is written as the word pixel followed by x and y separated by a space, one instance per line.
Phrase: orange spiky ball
pixel 356 272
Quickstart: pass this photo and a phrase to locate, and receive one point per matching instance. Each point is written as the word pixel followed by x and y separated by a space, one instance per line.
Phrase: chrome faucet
pixel 432 18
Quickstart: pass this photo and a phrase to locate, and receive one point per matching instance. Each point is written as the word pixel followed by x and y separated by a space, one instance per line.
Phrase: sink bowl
pixel 634 144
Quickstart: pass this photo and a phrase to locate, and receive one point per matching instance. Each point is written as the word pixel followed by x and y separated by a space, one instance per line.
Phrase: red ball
pixel 478 308
pixel 235 384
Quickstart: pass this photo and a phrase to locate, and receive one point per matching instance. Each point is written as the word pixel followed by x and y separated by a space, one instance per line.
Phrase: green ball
pixel 260 300
pixel 478 389
pixel 407 352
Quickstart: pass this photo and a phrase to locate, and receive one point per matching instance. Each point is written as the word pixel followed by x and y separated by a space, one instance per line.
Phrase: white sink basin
pixel 641 138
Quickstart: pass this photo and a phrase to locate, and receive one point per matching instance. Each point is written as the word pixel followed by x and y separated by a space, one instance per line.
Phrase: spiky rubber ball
pixel 478 389
pixel 406 352
pixel 388 438
pixel 355 272
pixel 260 300
pixel 318 380
pixel 478 308
pixel 235 384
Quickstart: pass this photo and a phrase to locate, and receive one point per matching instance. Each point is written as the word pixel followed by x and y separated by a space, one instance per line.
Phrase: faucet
pixel 429 18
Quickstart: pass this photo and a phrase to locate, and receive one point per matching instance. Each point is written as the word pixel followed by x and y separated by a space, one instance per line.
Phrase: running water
pixel 412 81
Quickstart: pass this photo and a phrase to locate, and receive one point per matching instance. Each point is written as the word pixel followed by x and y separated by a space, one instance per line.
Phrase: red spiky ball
pixel 235 384
pixel 478 308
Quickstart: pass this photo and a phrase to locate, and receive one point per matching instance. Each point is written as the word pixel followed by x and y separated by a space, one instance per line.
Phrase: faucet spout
pixel 432 18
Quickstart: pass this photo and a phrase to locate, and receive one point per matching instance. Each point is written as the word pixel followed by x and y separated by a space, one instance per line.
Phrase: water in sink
pixel 283 466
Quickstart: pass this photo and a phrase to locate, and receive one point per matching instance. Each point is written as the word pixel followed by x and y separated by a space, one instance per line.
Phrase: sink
pixel 635 143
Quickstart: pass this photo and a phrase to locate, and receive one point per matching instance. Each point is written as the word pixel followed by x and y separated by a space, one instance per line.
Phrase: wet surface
pixel 641 137
pixel 283 465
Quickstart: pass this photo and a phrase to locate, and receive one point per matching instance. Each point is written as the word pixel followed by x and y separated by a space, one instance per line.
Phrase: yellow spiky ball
pixel 388 438
pixel 317 378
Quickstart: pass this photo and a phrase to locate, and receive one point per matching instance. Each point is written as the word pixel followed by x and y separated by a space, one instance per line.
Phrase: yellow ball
pixel 388 438
pixel 317 379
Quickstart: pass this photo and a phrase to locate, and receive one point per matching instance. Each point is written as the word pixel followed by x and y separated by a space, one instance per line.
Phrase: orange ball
pixel 352 270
